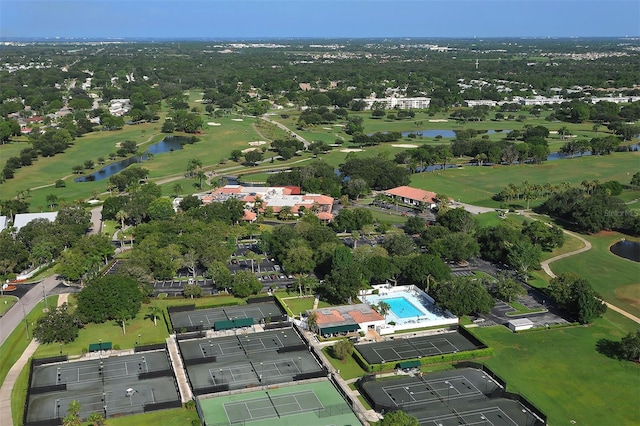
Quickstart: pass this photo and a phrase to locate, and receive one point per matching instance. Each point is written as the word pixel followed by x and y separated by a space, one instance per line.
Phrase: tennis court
pixel 415 347
pixel 207 318
pixel 248 360
pixel 112 386
pixel 240 343
pixel 465 396
pixel 309 404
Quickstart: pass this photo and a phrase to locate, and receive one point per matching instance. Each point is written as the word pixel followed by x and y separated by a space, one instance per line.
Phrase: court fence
pixel 260 299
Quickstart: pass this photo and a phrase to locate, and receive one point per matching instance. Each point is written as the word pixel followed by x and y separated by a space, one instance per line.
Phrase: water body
pixel 445 133
pixel 168 144
pixel 627 249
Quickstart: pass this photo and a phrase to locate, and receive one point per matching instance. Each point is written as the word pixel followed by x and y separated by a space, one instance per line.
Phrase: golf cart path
pixel 587 247
pixel 14 372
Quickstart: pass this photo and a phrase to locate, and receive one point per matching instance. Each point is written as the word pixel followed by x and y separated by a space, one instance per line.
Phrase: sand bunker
pixel 257 143
pixel 237 119
pixel 439 120
pixel 404 145
pixel 351 150
pixel 211 123
pixel 248 149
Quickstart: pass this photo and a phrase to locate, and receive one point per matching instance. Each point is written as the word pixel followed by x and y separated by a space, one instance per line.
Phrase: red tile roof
pixel 361 317
pixel 412 194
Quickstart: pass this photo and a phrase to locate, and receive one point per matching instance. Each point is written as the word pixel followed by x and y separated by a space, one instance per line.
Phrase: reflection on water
pixel 627 249
pixel 168 144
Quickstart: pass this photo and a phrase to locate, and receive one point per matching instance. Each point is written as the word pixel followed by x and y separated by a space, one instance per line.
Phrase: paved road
pixel 14 316
pixel 286 129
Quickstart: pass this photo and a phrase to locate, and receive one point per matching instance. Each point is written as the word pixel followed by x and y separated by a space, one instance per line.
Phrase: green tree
pixel 57 325
pixel 160 209
pixel 298 258
pixel 399 244
pixel 398 418
pixel 103 297
pixel 463 296
pixel 342 349
pixel 245 283
pixel 220 274
pixel 414 225
pixel 630 346
pixel 73 415
pixel 192 291
pixel 383 308
pixel 507 289
pixel 154 312
pixel 457 220
pixel 524 256
pixel 576 295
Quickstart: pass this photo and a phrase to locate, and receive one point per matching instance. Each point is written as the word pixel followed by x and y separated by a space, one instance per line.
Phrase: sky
pixel 251 19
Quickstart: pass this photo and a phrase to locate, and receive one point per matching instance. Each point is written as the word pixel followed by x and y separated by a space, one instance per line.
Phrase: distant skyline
pixel 255 19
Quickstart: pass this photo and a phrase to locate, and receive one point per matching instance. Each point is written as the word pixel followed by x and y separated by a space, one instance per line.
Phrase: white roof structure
pixel 3 222
pixel 22 219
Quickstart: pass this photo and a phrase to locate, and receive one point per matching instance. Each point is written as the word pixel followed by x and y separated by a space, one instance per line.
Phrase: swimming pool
pixel 409 307
pixel 403 308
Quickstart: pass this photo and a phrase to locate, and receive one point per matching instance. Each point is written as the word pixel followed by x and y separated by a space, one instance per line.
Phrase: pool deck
pixel 430 316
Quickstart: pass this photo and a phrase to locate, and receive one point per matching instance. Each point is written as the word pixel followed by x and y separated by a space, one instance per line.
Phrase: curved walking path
pixel 14 372
pixel 587 247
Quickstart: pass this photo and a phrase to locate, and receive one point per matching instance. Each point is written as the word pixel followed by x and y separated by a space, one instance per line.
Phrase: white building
pixel 22 219
pixel 397 103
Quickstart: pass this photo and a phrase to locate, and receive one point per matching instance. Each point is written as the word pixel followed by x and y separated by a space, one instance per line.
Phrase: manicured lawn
pixel 302 304
pixel 562 373
pixel 349 368
pixel 17 341
pixel 141 325
pixel 6 302
pixel 615 278
pixel 494 219
pixel 571 243
pixel 174 417
pixel 477 185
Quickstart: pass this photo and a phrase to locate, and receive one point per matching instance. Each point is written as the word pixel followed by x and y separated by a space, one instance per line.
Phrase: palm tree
pixel 200 175
pixel 253 256
pixel 383 309
pixel 122 316
pixel 52 200
pixel 285 213
pixel 122 215
pixel 177 189
pixel 155 312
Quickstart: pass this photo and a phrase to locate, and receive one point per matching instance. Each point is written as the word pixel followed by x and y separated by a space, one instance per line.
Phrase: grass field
pixel 349 368
pixel 477 185
pixel 175 417
pixel 302 304
pixel 615 278
pixel 562 373
pixel 6 302
pixel 141 325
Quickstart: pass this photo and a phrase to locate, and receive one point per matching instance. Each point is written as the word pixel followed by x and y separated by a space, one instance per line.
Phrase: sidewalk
pixel 12 376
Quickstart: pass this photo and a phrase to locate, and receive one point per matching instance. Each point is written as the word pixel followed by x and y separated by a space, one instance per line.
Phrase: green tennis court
pixel 309 404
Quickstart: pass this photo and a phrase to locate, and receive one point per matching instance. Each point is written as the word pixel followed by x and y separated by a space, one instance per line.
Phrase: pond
pixel 627 249
pixel 445 133
pixel 168 144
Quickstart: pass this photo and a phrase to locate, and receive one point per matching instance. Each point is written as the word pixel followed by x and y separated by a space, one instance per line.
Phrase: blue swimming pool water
pixel 403 308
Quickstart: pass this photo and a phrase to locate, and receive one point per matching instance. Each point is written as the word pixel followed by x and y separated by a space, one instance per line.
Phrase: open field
pixel 476 185
pixel 561 371
pixel 141 325
pixel 615 278
pixel 232 132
